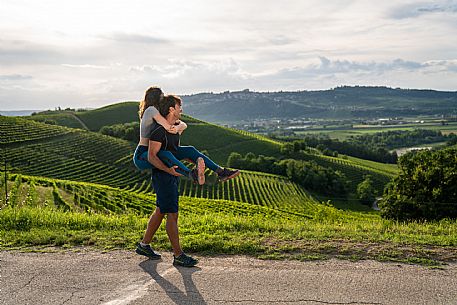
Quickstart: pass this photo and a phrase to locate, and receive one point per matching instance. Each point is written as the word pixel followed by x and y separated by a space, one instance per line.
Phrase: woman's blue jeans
pixel 140 158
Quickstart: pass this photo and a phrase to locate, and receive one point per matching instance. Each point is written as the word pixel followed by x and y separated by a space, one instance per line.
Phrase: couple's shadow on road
pixel 191 295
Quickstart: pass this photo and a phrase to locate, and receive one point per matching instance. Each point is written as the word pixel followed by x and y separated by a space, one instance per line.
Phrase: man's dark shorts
pixel 166 188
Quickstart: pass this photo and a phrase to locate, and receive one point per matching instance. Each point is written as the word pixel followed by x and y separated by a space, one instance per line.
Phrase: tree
pixel 366 192
pixel 235 160
pixel 426 187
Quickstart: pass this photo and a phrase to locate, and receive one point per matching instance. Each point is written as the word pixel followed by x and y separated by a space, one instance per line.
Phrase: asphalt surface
pixel 121 277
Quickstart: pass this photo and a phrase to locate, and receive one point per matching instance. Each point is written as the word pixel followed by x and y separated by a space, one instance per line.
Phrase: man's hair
pixel 167 102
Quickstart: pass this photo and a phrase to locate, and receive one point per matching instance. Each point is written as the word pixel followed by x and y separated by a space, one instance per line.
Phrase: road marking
pixel 135 291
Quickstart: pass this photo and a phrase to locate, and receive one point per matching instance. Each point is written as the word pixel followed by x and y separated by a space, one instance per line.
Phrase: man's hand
pixel 172 171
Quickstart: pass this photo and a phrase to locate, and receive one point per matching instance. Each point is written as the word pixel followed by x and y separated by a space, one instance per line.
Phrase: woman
pixel 148 112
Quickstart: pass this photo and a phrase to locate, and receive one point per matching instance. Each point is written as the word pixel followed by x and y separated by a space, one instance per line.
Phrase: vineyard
pixel 119 113
pixel 91 157
pixel 96 198
pixel 15 130
pixel 219 142
pixel 64 153
pixel 354 170
pixel 78 155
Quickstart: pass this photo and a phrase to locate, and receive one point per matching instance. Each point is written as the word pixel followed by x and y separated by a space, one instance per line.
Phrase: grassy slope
pixel 67 119
pixel 112 114
pixel 53 151
pixel 48 212
pixel 218 141
pixel 91 157
pixel 66 153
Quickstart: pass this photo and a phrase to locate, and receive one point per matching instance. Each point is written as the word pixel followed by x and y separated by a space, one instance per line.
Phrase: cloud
pixel 190 76
pixel 325 73
pixel 280 40
pixel 329 67
pixel 15 77
pixel 135 38
pixel 85 66
pixel 417 9
pixel 21 52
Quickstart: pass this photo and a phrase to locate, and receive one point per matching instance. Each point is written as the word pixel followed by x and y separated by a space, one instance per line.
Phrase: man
pixel 165 182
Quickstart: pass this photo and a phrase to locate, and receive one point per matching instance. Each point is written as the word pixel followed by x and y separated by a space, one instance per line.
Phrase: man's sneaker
pixel 184 260
pixel 147 251
pixel 198 173
pixel 227 174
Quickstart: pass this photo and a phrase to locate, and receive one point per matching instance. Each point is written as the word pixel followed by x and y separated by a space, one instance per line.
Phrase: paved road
pixel 121 277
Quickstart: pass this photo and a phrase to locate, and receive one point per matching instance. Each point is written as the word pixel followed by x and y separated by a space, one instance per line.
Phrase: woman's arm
pixel 162 121
pixel 180 127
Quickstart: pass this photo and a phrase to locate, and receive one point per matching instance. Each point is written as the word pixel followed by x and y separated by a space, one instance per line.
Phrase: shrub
pixel 426 187
pixel 366 192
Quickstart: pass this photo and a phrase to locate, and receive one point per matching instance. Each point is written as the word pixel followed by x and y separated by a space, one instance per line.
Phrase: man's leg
pixel 143 247
pixel 179 257
pixel 173 234
pixel 153 225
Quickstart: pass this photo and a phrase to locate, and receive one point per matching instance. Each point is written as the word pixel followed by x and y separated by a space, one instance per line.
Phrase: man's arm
pixel 153 149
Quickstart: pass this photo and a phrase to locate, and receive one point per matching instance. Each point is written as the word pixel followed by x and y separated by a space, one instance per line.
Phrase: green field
pixel 342 133
pixel 64 118
pixel 73 187
pixel 74 154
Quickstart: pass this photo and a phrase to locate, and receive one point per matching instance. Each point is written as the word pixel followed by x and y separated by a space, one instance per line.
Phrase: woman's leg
pixel 170 160
pixel 191 153
pixel 140 158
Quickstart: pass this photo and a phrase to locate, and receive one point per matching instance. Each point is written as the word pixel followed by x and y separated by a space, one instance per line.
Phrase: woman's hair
pixel 152 97
pixel 168 101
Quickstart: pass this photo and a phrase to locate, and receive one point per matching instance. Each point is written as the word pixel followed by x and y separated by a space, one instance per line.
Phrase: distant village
pixel 281 126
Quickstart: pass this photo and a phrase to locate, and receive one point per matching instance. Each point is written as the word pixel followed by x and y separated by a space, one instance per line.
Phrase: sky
pixel 87 54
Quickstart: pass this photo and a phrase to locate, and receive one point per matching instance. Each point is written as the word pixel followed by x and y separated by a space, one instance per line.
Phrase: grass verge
pixel 323 237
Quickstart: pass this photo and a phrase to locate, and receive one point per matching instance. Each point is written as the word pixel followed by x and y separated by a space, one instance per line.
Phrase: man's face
pixel 177 110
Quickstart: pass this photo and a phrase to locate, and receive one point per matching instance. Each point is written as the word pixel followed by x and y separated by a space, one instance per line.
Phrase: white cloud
pixel 412 10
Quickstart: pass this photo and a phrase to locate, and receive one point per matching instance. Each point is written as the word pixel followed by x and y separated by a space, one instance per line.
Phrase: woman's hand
pixel 172 129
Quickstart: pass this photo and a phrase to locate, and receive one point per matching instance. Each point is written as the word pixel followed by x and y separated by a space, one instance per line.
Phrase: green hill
pixel 59 152
pixel 356 169
pixel 79 155
pixel 74 154
pixel 337 103
pixel 64 118
pixel 218 141
pixel 112 114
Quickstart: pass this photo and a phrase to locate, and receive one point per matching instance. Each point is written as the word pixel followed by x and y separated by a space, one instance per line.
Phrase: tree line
pixel 127 131
pixel 374 147
pixel 306 173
